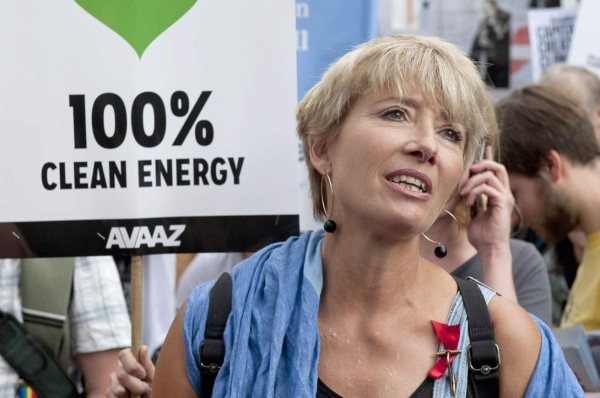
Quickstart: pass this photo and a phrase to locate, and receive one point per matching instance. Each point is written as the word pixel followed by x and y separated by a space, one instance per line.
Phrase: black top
pixel 425 390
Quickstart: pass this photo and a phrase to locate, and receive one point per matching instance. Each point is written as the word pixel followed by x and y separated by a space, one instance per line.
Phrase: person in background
pixel 581 84
pixel 98 319
pixel 481 246
pixel 564 257
pixel 549 149
pixel 584 86
pixel 490 47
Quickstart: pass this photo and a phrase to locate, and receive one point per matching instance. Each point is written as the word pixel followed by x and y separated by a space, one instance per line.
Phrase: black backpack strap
pixel 31 361
pixel 483 354
pixel 212 349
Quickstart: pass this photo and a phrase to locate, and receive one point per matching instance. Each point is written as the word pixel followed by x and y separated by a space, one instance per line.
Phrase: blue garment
pixel 276 343
pixel 552 377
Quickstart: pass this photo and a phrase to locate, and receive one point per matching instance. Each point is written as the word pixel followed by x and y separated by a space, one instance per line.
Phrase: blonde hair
pixel 438 71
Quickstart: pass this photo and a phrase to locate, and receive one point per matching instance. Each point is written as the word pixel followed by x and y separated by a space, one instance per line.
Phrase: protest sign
pixel 585 48
pixel 130 129
pixel 550 31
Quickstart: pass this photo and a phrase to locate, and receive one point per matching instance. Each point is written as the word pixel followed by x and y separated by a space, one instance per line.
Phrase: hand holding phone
pixel 487 192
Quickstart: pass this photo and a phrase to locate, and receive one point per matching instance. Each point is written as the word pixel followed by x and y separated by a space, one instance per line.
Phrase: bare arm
pixel 96 368
pixel 519 340
pixel 171 378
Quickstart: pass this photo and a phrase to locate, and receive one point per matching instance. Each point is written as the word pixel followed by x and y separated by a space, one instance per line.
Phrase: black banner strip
pixel 144 236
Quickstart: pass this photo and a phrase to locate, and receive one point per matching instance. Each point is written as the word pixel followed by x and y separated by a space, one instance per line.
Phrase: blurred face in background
pixel 547 210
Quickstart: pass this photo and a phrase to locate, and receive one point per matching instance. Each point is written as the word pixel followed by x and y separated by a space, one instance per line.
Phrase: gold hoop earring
pixel 329 225
pixel 440 250
pixel 521 222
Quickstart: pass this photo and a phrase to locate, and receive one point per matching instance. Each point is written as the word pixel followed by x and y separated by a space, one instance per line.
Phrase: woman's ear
pixel 319 155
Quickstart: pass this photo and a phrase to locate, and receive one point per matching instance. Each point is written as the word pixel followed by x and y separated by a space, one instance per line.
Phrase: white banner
pixel 585 47
pixel 550 31
pixel 119 111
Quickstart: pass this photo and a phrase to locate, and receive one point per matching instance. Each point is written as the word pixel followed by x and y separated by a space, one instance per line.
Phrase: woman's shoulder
pixel 533 363
pixel 519 339
pixel 510 320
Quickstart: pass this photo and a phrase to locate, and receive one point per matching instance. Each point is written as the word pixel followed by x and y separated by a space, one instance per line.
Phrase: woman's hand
pixel 489 230
pixel 131 376
pixel 490 227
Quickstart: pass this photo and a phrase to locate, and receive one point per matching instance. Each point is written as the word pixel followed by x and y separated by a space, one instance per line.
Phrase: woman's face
pixel 455 197
pixel 394 163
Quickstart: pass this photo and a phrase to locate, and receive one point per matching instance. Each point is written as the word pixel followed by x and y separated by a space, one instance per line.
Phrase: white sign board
pixel 129 128
pixel 550 31
pixel 585 47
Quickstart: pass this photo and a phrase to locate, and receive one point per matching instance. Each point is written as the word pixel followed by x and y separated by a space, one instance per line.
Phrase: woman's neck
pixel 367 282
pixel 369 272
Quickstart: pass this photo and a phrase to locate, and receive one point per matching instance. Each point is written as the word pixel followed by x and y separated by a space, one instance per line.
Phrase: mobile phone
pixel 481 200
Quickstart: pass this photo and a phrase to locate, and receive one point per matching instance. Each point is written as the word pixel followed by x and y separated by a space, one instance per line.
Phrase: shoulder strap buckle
pixel 212 368
pixel 212 352
pixel 484 353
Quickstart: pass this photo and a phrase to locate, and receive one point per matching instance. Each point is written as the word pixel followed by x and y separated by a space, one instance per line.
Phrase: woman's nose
pixel 423 145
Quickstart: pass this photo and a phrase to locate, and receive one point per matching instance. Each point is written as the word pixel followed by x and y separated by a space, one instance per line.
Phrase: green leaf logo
pixel 139 22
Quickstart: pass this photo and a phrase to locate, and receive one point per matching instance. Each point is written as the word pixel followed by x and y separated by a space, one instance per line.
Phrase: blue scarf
pixel 274 314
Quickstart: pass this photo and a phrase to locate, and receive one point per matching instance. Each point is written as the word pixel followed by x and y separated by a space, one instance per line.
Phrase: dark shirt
pixel 425 390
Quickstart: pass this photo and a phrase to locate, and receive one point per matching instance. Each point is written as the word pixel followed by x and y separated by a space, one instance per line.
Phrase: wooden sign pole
pixel 136 307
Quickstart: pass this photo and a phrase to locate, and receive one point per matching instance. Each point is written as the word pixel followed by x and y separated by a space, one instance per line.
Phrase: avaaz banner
pixel 146 126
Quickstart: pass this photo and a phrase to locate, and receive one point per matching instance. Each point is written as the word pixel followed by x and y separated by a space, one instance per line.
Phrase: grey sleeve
pixel 530 276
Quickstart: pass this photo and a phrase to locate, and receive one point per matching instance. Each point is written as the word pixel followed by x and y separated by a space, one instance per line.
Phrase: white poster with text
pixel 130 129
pixel 585 47
pixel 550 31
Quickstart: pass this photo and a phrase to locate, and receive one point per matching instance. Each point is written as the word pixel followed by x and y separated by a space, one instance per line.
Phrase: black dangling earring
pixel 329 225
pixel 440 250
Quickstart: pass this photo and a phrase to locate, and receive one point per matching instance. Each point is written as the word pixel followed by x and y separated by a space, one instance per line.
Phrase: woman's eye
pixel 452 135
pixel 395 114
